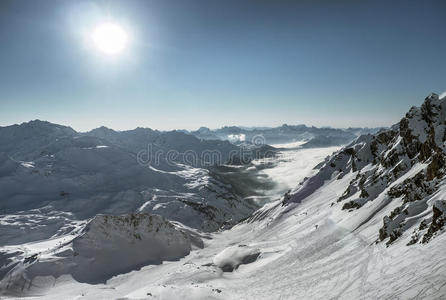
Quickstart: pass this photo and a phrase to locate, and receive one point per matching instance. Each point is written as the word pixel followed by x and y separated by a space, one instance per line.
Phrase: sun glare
pixel 109 38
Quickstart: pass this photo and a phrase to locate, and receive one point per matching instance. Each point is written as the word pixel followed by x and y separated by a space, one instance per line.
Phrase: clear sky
pixel 212 63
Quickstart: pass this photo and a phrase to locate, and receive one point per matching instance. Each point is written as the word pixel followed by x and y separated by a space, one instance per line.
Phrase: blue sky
pixel 214 63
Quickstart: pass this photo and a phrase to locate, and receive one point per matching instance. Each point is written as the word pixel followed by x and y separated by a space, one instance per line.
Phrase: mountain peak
pixel 40 127
pixel 44 124
pixel 102 129
pixel 432 96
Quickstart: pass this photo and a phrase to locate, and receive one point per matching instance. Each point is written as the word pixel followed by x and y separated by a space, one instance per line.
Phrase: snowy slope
pixel 398 174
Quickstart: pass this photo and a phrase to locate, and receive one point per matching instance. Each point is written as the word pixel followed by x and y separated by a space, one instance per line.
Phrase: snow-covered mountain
pixel 398 173
pixel 47 168
pixel 162 142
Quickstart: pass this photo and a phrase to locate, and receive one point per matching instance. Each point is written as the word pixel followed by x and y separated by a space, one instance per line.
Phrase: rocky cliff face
pixel 404 165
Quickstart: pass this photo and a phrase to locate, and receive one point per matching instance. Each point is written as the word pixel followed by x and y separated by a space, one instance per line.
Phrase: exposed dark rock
pixel 351 204
pixel 438 220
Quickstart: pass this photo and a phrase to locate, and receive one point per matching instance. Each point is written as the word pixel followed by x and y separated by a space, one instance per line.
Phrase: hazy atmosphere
pixel 193 63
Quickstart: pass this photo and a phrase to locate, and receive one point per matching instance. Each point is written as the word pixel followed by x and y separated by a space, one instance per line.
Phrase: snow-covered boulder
pixel 232 257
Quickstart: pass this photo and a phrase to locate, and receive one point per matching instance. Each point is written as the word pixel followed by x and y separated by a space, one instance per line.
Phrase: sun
pixel 109 38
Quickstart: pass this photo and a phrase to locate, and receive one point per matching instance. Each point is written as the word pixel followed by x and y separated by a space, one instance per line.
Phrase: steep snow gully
pixel 367 223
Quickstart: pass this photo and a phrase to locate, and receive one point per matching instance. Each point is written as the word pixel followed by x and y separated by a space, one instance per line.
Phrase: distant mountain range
pixel 311 136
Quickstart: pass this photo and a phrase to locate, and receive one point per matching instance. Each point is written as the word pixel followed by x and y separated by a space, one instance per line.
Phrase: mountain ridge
pixel 403 167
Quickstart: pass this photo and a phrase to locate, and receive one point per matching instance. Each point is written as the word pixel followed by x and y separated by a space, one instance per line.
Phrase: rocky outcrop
pixel 438 220
pixel 405 163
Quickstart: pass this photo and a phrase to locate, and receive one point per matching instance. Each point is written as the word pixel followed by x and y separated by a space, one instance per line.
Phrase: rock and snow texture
pixel 397 172
pixel 106 246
